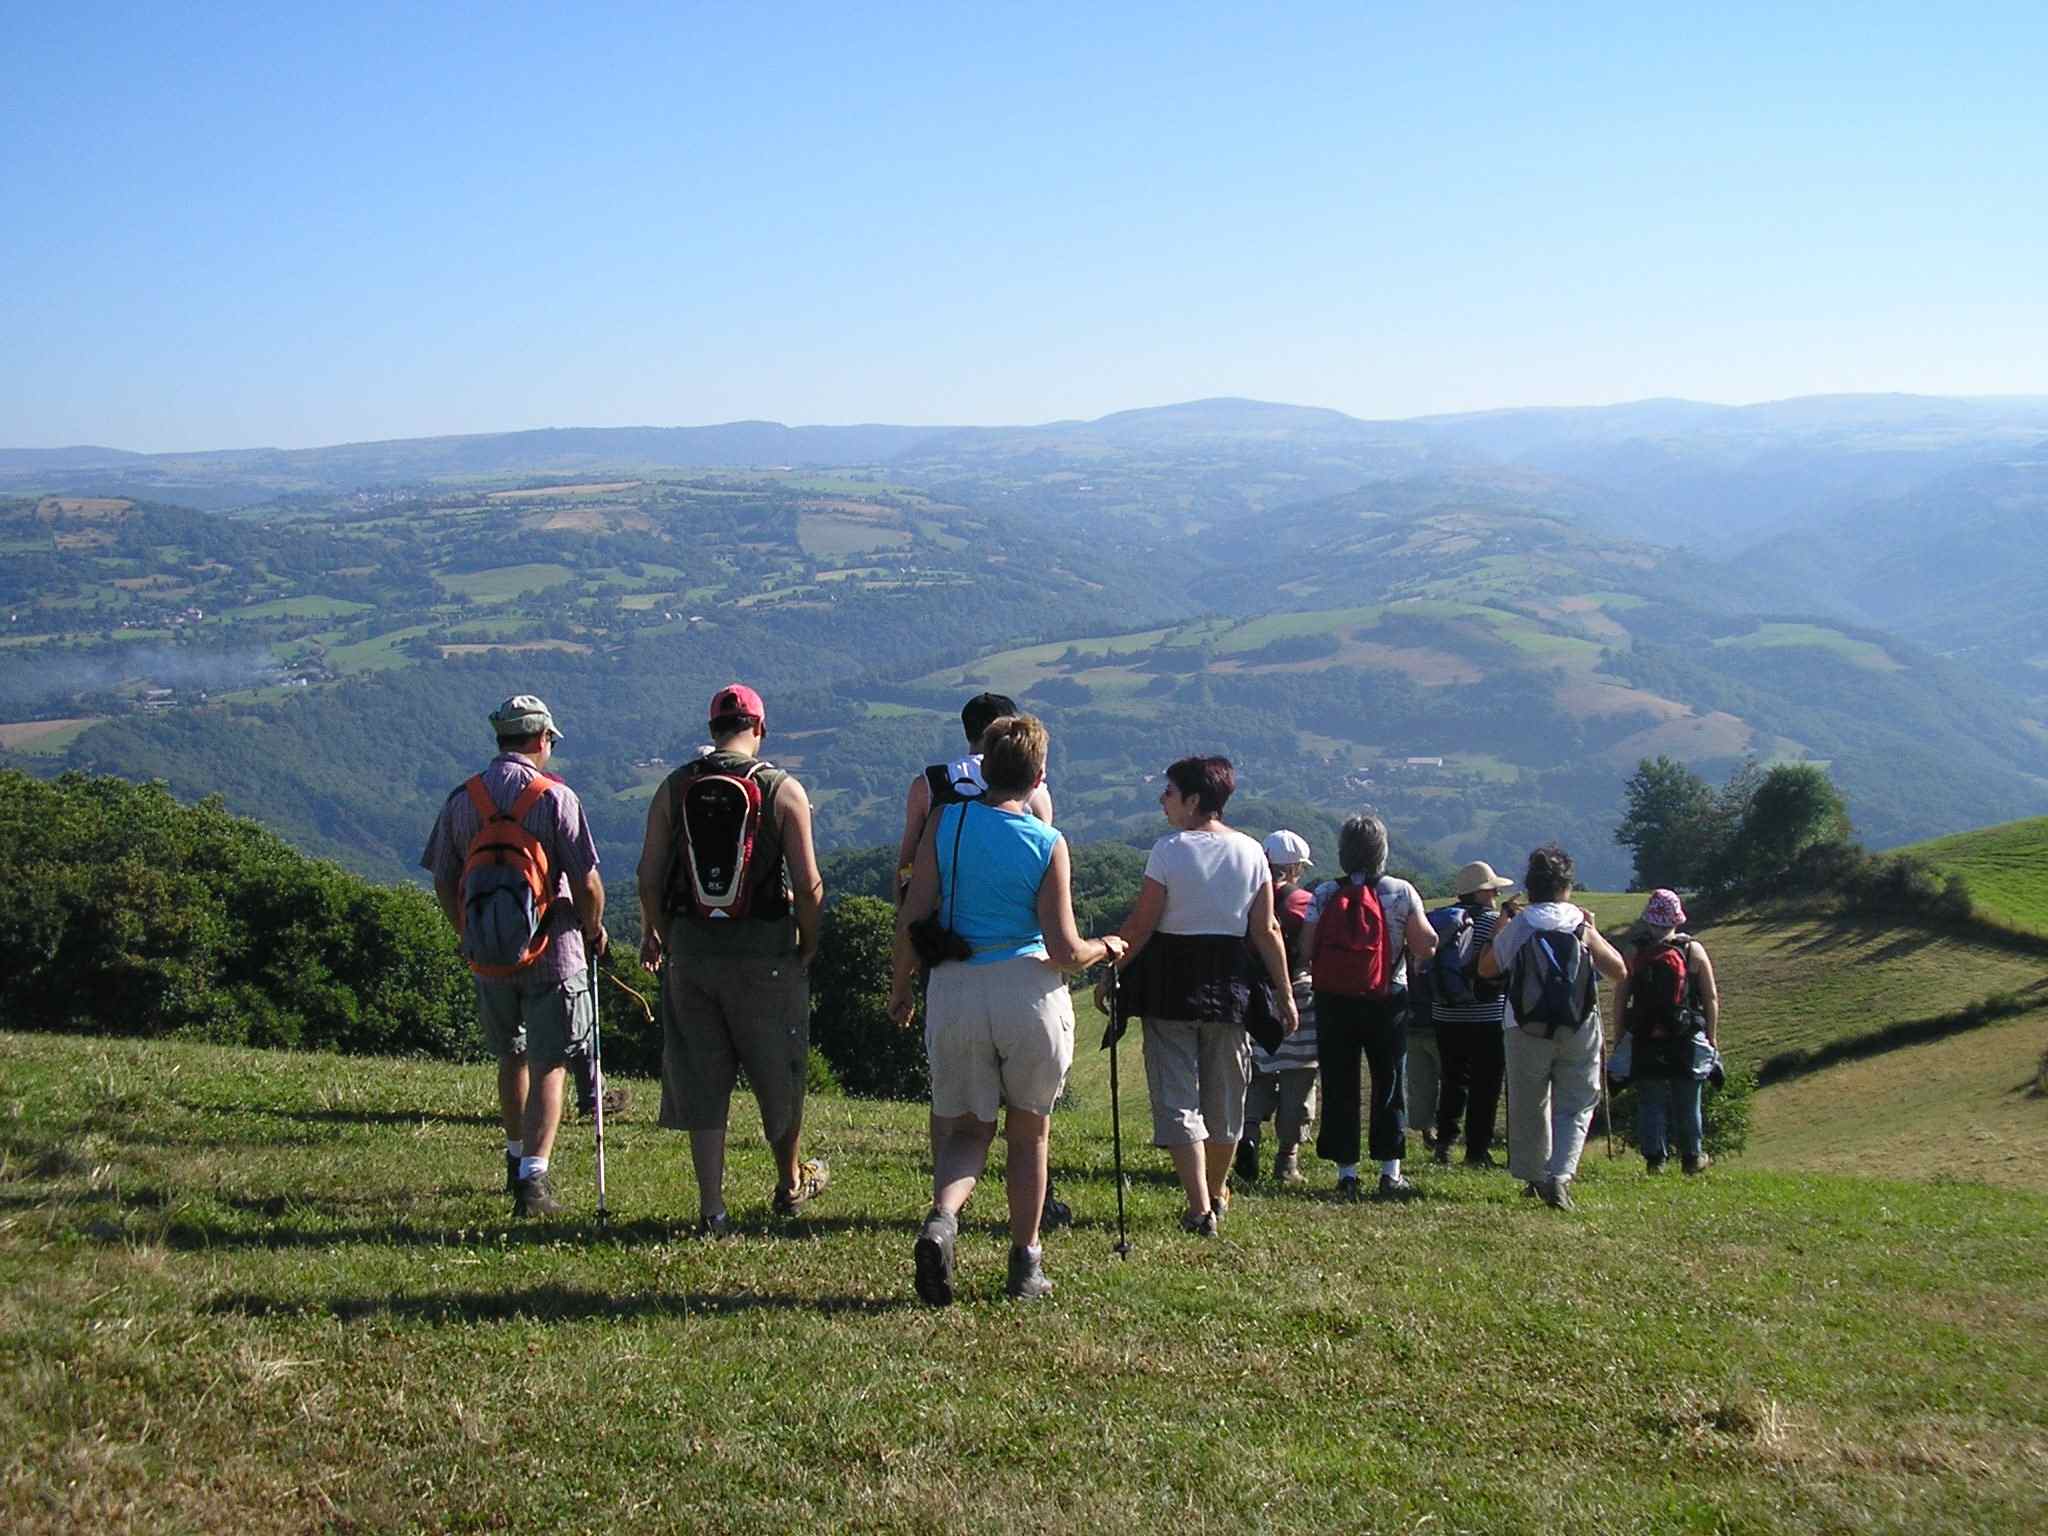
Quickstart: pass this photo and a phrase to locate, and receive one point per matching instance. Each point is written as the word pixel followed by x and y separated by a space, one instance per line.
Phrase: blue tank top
pixel 1003 859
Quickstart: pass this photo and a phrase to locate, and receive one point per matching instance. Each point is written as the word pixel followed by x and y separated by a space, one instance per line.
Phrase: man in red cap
pixel 730 898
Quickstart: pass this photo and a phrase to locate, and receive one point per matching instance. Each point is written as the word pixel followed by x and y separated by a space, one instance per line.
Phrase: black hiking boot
pixel 1393 1187
pixel 535 1197
pixel 934 1259
pixel 1347 1186
pixel 511 1174
pixel 1246 1164
pixel 1055 1213
pixel 1480 1160
pixel 1442 1156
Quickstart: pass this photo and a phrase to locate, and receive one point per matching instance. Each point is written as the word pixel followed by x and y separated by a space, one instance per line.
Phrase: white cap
pixel 1284 847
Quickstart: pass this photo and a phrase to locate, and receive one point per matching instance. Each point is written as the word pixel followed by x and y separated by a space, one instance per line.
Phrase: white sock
pixel 515 1149
pixel 1035 1252
pixel 529 1166
pixel 1390 1168
pixel 1347 1170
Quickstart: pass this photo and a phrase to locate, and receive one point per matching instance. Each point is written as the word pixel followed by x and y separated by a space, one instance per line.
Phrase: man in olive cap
pixel 502 832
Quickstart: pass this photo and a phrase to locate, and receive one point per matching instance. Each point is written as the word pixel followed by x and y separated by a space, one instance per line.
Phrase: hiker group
pixel 1263 994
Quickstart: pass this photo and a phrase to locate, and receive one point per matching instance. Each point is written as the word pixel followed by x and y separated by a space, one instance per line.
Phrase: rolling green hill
pixel 2005 867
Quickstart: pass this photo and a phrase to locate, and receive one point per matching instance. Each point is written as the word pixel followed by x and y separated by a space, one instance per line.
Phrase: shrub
pixel 850 1020
pixel 1725 1114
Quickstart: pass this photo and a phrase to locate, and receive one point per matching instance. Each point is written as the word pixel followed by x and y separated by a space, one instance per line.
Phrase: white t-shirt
pixel 1397 899
pixel 1546 917
pixel 1211 879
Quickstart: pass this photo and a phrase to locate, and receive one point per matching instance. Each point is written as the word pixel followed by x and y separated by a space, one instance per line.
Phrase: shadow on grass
pixel 345 1116
pixel 552 1303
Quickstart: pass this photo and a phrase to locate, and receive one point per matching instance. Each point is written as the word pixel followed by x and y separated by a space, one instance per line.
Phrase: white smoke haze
pixel 51 677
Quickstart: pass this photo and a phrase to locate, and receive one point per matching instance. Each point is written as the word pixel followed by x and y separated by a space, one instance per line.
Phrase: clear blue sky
pixel 236 225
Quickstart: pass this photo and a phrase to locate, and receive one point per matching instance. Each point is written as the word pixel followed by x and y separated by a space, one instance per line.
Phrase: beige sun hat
pixel 1479 876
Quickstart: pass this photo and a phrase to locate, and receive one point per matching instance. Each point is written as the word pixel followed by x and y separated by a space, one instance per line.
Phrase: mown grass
pixel 502 583
pixel 1793 979
pixel 270 1293
pixel 2005 867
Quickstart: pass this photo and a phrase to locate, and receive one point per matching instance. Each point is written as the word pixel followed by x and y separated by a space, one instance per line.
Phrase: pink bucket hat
pixel 1663 910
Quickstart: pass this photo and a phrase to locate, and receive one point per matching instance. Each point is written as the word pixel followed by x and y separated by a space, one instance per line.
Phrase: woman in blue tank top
pixel 999 1024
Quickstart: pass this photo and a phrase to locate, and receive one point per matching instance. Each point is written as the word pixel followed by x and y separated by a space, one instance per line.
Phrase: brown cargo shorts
pixel 719 1014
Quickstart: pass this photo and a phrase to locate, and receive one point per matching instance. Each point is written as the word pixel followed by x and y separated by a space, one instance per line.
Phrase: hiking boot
pixel 812 1175
pixel 511 1174
pixel 1347 1187
pixel 535 1197
pixel 1654 1164
pixel 1203 1225
pixel 934 1259
pixel 1442 1156
pixel 1220 1203
pixel 1393 1187
pixel 1530 1189
pixel 1027 1276
pixel 715 1226
pixel 1480 1160
pixel 1055 1213
pixel 1287 1166
pixel 1556 1193
pixel 1699 1164
pixel 1246 1164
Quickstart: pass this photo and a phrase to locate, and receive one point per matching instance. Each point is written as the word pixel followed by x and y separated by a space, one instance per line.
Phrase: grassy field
pixel 267 1293
pixel 1966 1107
pixel 1791 980
pixel 1814 637
pixel 2006 868
pixel 504 582
pixel 45 738
pixel 302 608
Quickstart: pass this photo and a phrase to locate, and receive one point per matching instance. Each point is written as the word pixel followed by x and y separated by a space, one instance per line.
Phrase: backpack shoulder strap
pixel 480 797
pixel 535 791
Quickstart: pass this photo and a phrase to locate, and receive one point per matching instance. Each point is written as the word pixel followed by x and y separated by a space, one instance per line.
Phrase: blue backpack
pixel 1552 983
pixel 1454 967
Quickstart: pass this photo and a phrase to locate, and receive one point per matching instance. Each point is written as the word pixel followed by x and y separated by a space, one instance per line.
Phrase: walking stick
pixel 1114 1034
pixel 1606 1105
pixel 597 1072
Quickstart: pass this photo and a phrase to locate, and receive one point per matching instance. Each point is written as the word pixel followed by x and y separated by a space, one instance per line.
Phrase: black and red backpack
pixel 718 813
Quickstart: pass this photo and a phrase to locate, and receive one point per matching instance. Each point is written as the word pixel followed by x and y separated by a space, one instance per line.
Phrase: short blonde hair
pixel 1013 754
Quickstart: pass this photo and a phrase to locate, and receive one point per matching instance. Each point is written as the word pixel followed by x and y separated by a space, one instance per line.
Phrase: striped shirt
pixel 1488 1010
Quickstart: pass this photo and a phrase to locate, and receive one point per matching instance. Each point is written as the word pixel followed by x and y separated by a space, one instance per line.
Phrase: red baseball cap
pixel 738 699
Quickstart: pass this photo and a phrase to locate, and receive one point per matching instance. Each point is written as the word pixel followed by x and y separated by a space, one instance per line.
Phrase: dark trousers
pixel 1474 1063
pixel 1346 1029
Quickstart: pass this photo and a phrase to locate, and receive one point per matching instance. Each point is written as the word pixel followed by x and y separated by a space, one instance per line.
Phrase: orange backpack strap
pixel 536 789
pixel 481 797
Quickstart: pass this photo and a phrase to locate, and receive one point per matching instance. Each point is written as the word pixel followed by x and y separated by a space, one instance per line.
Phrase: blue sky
pixel 234 225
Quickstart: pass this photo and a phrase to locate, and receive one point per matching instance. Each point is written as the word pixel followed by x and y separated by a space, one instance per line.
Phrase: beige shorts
pixel 1001 1033
pixel 721 1014
pixel 1197 1075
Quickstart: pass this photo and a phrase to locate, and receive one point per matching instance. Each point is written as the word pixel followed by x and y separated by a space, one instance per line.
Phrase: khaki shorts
pixel 1197 1075
pixel 997 1033
pixel 543 1026
pixel 718 1015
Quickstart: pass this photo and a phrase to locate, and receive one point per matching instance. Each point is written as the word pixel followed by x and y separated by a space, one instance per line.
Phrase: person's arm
pixel 587 892
pixel 448 891
pixel 1606 958
pixel 1489 957
pixel 917 810
pixel 806 884
pixel 1710 991
pixel 920 895
pixel 1039 803
pixel 1262 933
pixel 656 849
pixel 1420 932
pixel 1064 946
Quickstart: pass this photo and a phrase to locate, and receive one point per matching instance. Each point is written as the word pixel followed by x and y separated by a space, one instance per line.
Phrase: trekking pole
pixel 1116 1124
pixel 597 1073
pixel 1606 1104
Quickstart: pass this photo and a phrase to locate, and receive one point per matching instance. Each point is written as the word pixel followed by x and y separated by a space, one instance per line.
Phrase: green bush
pixel 850 1020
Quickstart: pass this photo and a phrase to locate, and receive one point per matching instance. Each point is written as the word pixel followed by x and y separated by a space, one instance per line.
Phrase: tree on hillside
pixel 1795 808
pixel 1670 825
pixel 850 1020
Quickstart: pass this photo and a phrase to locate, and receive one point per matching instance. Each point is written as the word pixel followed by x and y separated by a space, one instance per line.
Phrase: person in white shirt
pixel 1553 1065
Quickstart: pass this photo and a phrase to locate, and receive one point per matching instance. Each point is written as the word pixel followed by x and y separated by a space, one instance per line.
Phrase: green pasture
pixel 1863 653
pixel 307 607
pixel 826 537
pixel 1250 636
pixel 55 743
pixel 2005 867
pixel 375 655
pixel 258 1293
pixel 504 582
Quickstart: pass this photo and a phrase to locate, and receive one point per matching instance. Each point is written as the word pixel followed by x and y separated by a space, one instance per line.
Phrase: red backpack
pixel 507 884
pixel 717 814
pixel 1352 954
pixel 1659 990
